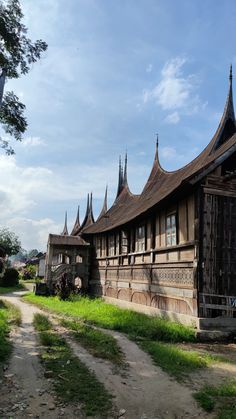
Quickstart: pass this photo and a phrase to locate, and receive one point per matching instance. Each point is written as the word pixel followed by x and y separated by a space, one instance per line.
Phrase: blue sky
pixel 116 72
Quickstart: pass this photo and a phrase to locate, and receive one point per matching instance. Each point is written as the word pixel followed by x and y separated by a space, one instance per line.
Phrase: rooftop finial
pixel 157 144
pixel 91 207
pixel 230 74
pixel 120 178
pixel 65 229
pixel 125 170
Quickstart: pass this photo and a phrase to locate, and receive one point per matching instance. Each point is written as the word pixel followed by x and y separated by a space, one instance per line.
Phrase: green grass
pixel 6 290
pixel 135 325
pixel 98 343
pixel 73 381
pixel 41 322
pixel 175 361
pixel 221 399
pixel 9 315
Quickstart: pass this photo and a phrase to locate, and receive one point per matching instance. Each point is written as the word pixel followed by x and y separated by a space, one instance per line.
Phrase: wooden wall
pixel 161 276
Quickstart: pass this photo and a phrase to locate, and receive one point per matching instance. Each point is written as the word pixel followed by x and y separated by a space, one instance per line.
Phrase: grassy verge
pixel 221 399
pixel 97 312
pixel 6 290
pixel 73 381
pixel 175 361
pixel 98 343
pixel 9 314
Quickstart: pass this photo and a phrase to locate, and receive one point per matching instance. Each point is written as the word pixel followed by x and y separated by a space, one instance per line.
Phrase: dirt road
pixel 145 392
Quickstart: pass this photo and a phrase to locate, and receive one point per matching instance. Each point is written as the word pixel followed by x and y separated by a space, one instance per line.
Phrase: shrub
pixel 10 278
pixel 29 272
pixel 64 287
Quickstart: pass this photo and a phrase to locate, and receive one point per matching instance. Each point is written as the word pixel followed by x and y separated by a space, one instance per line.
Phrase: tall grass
pixel 136 325
pixel 72 380
pixel 98 343
pixel 220 398
pixel 9 314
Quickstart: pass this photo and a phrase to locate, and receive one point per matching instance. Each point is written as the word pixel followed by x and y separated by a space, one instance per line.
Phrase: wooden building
pixel 172 249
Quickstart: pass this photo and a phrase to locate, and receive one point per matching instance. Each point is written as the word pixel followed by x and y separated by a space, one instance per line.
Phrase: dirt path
pixel 25 392
pixel 144 392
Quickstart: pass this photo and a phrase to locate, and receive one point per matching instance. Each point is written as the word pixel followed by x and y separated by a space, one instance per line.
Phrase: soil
pixel 141 391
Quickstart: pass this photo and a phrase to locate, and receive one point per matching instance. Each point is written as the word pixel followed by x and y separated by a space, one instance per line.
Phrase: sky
pixel 115 73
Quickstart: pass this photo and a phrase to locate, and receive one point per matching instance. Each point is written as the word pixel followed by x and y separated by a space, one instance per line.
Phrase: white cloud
pixel 175 91
pixel 33 233
pixel 20 186
pixel 32 142
pixel 172 155
pixel 168 153
pixel 172 118
pixel 149 68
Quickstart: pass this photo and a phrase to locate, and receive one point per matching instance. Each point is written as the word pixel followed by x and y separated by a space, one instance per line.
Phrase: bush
pixel 10 278
pixel 29 272
pixel 64 287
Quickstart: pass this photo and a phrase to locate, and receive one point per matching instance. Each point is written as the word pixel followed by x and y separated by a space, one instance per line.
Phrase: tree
pixel 32 253
pixel 17 53
pixel 9 243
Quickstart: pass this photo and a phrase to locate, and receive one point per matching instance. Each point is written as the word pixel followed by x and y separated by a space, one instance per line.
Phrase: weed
pixel 73 381
pixel 98 343
pixel 41 322
pixel 221 398
pixel 9 315
pixel 96 311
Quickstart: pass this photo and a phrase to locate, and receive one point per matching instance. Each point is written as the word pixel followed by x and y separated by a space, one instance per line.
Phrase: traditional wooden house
pixel 172 249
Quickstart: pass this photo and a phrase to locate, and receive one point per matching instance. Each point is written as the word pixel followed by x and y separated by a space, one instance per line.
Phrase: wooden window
pixel 124 242
pixel 111 245
pixel 117 244
pixel 140 239
pixel 171 230
pixel 98 246
pixel 103 246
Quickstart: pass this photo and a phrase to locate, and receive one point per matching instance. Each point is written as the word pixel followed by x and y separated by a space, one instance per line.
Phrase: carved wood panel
pixel 219 245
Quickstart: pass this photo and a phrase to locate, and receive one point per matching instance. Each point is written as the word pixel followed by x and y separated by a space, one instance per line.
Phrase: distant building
pixel 171 249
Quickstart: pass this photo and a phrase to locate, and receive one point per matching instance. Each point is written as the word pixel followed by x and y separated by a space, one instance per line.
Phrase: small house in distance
pixel 171 249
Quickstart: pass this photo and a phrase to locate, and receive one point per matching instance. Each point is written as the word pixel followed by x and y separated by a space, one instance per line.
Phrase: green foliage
pixel 9 242
pixel 5 346
pixel 98 343
pixel 41 322
pixel 72 380
pixel 97 312
pixel 221 398
pixel 17 54
pixel 10 278
pixel 32 253
pixel 176 361
pixel 9 314
pixel 64 287
pixel 6 290
pixel 29 272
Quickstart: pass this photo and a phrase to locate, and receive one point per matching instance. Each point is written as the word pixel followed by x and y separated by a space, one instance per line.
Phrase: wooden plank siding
pixel 218 255
pixel 159 276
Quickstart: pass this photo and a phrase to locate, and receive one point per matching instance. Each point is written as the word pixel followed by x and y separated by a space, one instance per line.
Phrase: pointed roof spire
pixel 229 106
pixel 125 180
pixel 104 207
pixel 65 229
pixel 227 126
pixel 157 145
pixel 230 74
pixel 76 227
pixel 91 208
pixel 88 219
pixel 120 178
